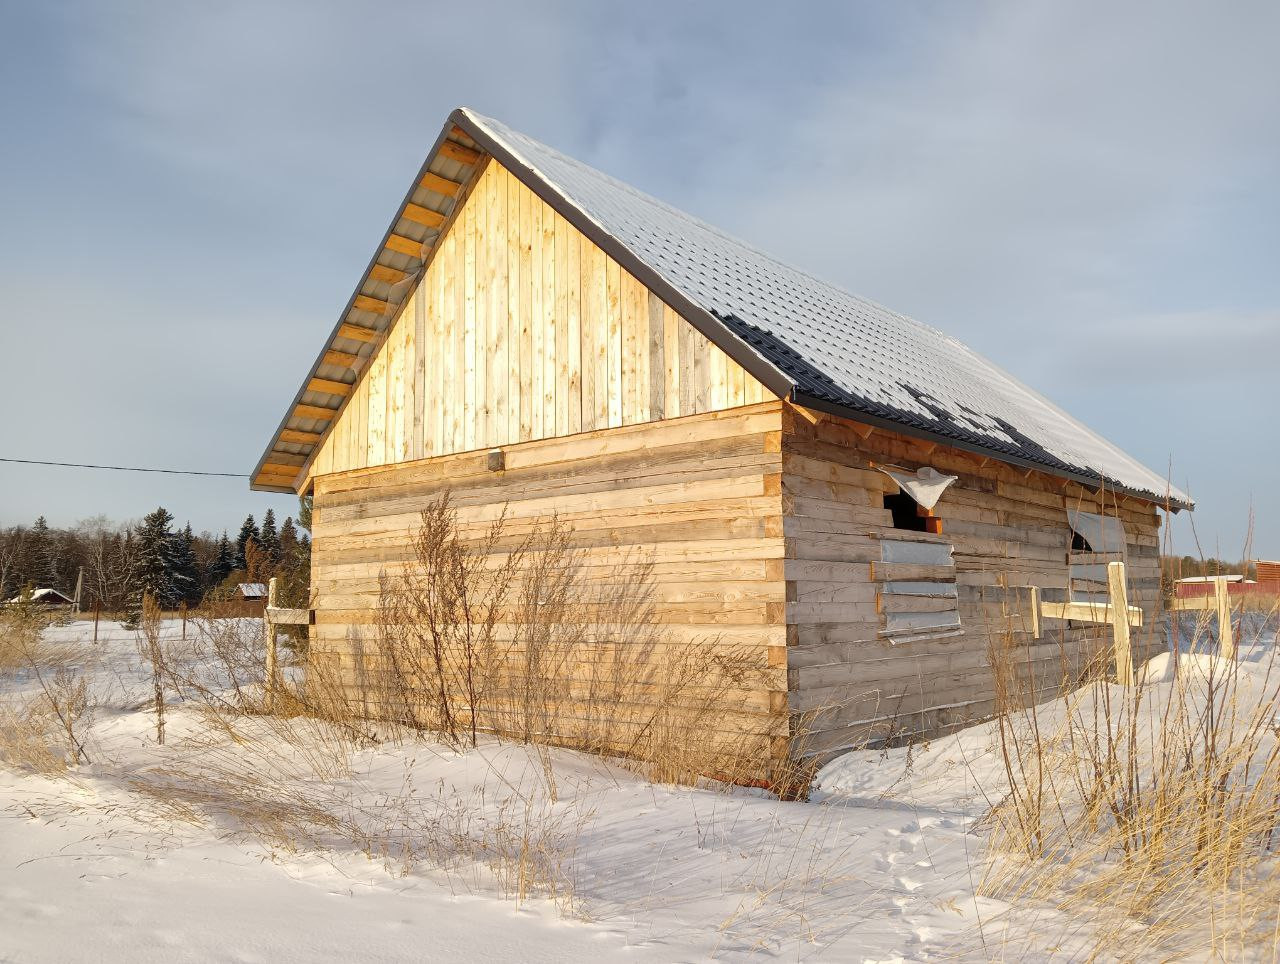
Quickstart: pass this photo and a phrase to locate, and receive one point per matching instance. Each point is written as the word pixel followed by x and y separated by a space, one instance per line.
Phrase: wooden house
pixel 854 496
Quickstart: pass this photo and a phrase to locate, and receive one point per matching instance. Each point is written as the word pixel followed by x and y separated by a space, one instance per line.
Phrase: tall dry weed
pixel 1149 813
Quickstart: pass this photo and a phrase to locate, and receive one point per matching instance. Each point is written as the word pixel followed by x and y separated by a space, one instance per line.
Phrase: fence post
pixel 272 664
pixel 1118 594
pixel 184 620
pixel 1222 603
pixel 97 608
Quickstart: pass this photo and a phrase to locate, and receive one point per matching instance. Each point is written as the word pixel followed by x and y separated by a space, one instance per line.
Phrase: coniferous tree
pixel 269 538
pixel 158 559
pixel 288 539
pixel 41 562
pixel 224 563
pixel 248 533
pixel 186 571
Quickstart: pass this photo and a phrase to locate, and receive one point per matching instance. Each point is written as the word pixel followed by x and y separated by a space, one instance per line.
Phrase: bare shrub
pixel 152 651
pixel 1155 804
pixel 42 729
pixel 519 636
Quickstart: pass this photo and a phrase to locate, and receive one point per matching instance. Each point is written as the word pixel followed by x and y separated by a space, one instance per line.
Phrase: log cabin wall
pixel 521 328
pixel 1005 528
pixel 699 495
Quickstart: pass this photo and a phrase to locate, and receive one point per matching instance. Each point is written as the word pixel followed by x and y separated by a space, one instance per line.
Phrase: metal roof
pixel 808 340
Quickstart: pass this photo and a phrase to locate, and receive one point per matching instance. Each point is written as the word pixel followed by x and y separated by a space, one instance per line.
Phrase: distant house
pixel 250 598
pixel 1268 581
pixel 45 597
pixel 856 499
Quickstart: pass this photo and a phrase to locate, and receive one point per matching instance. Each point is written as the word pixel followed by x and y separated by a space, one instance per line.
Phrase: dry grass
pixel 1149 813
pixel 42 726
pixel 518 636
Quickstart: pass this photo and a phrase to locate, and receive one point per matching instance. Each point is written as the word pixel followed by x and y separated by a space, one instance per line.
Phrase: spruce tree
pixel 41 560
pixel 158 559
pixel 248 533
pixel 223 563
pixel 288 539
pixel 269 538
pixel 186 571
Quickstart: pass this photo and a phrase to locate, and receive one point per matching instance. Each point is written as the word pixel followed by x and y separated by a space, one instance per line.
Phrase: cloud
pixel 1084 192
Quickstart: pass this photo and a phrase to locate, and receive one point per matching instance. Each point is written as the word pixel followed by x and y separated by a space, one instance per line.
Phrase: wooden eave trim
pixel 380 272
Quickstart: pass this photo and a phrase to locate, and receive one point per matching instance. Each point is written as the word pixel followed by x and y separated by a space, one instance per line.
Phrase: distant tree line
pixel 121 562
pixel 1173 568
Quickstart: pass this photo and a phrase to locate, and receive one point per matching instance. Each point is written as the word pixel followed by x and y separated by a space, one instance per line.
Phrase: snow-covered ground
pixel 882 864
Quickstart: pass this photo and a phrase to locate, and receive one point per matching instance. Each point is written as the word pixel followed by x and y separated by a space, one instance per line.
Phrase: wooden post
pixel 272 660
pixel 1035 611
pixel 1119 598
pixel 1222 603
pixel 97 608
pixel 184 620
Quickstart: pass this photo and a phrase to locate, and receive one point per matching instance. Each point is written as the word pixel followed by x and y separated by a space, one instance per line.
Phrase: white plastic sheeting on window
pixel 1103 533
pixel 925 484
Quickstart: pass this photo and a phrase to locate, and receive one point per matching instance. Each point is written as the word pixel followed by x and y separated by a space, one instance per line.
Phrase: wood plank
pixel 368 303
pixel 341 358
pixel 459 152
pixel 314 411
pixel 420 215
pixel 407 246
pixel 329 387
pixel 301 438
pixel 380 272
pixel 358 332
pixel 441 185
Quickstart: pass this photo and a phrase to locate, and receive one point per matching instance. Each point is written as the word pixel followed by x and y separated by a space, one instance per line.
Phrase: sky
pixel 1086 193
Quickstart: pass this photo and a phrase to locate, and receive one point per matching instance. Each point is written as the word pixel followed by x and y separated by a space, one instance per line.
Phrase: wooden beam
pixel 329 387
pixel 1222 603
pixel 376 305
pixel 441 185
pixel 314 411
pixel 343 358
pixel 273 470
pixel 421 215
pixel 457 152
pixel 301 438
pixel 1086 612
pixel 380 272
pixel 358 333
pixel 403 245
pixel 1118 593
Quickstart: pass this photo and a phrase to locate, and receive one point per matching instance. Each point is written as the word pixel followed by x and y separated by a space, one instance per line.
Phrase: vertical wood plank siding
pixel 523 329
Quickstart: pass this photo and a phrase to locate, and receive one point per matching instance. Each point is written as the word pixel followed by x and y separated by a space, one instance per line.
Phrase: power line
pixel 124 468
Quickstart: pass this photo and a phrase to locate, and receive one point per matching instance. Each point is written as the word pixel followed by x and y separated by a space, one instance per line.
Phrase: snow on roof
pixel 252 590
pixel 44 595
pixel 1228 578
pixel 832 346
pixel 807 340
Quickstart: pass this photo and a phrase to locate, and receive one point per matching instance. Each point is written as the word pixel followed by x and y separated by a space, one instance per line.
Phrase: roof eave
pixel 1096 483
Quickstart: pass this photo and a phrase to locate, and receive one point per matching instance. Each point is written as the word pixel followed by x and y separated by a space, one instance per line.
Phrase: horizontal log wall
pixel 522 329
pixel 699 496
pixel 1008 528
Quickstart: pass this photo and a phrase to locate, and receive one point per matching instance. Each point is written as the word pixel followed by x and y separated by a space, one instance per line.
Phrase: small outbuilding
pixel 53 598
pixel 855 497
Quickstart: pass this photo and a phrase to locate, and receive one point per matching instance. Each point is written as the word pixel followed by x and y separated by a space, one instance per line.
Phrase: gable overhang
pixel 285 465
pixel 460 151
